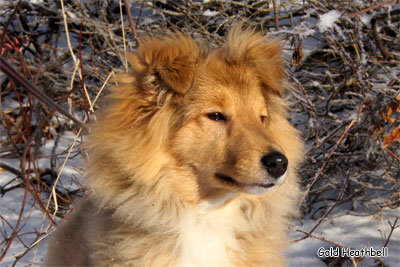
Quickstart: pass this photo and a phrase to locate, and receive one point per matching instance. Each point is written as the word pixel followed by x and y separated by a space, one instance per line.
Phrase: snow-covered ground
pixel 356 232
pixel 31 226
pixel 29 246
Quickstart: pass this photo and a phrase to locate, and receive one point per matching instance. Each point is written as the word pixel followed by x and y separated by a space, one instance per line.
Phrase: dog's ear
pixel 263 55
pixel 269 65
pixel 169 62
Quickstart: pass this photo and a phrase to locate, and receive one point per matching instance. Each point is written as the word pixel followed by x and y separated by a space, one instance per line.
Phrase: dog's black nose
pixel 276 163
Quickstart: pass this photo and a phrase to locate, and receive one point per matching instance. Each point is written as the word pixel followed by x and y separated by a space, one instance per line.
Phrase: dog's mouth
pixel 269 185
pixel 226 179
pixel 232 182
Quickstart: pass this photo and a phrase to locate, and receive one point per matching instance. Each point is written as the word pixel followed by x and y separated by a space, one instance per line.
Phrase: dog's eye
pixel 216 116
pixel 263 118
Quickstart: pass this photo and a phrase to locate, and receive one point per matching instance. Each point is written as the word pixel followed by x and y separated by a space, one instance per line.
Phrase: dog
pixel 193 161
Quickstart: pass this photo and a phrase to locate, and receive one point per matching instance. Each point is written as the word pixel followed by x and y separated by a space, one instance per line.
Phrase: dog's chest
pixel 207 238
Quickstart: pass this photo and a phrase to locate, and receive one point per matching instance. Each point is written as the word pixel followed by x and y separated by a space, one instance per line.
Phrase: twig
pixel 11 227
pixel 9 21
pixel 130 19
pixel 21 133
pixel 392 154
pixel 13 74
pixel 313 116
pixel 138 17
pixel 323 239
pixel 378 39
pixel 67 31
pixel 11 169
pixel 327 158
pixel 86 98
pixel 26 179
pixel 53 190
pixel 336 244
pixel 392 228
pixel 123 35
pixel 101 90
pixel 371 8
pixel 338 199
pixel 276 15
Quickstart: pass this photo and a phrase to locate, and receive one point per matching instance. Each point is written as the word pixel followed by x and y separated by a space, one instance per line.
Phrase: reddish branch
pixel 328 157
pixel 276 15
pixel 10 20
pixel 392 228
pixel 17 77
pixel 392 154
pixel 338 200
pixel 313 116
pixel 130 19
pixel 16 228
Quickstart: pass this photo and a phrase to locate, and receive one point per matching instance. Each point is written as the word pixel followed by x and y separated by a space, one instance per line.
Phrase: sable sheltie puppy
pixel 192 163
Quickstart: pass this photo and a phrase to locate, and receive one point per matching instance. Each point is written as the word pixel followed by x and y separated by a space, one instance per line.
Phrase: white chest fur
pixel 207 237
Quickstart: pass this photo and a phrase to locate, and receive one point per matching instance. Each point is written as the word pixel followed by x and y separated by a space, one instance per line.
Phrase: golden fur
pixel 155 153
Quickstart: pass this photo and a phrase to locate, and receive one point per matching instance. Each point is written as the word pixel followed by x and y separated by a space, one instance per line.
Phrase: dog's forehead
pixel 238 90
pixel 233 82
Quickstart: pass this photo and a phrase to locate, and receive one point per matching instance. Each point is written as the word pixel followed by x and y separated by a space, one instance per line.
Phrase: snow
pixel 355 231
pixel 366 19
pixel 327 20
pixel 28 231
pixel 34 225
pixel 209 13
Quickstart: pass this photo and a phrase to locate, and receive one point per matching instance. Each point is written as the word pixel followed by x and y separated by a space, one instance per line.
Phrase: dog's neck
pixel 217 202
pixel 207 234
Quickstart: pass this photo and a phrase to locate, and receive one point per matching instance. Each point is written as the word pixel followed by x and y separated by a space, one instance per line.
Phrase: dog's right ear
pixel 169 62
pixel 249 47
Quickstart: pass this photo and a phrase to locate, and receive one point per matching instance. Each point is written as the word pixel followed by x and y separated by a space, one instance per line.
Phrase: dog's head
pixel 235 136
pixel 214 116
